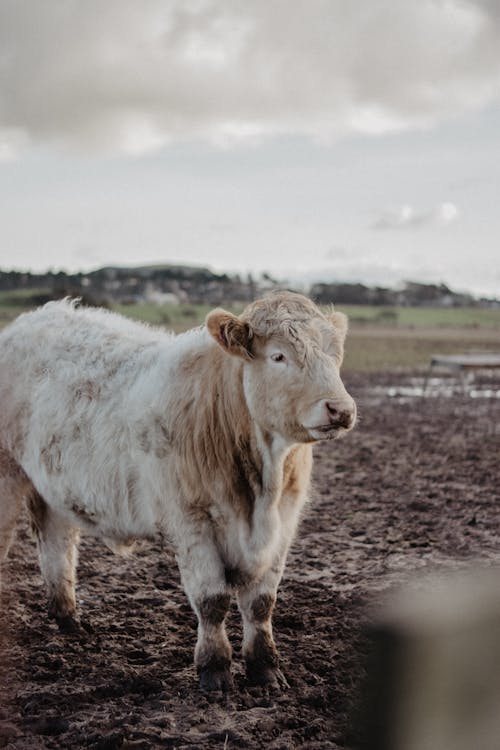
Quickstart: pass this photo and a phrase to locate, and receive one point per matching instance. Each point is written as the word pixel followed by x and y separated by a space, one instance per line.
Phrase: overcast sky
pixel 319 139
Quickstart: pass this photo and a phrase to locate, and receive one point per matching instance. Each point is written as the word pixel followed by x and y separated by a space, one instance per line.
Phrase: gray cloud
pixel 408 217
pixel 131 76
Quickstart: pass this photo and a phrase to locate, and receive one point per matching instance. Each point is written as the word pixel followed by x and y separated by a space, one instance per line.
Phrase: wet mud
pixel 414 487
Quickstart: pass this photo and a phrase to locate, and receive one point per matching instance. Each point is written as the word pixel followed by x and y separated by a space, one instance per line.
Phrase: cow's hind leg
pixel 204 581
pixel 13 483
pixel 256 603
pixel 58 551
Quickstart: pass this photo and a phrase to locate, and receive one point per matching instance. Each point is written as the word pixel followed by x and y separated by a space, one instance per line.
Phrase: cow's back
pixel 73 383
pixel 58 356
pixel 60 334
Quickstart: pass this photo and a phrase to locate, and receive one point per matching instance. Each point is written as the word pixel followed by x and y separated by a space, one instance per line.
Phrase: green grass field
pixel 423 317
pixel 380 338
pixel 388 349
pixel 406 337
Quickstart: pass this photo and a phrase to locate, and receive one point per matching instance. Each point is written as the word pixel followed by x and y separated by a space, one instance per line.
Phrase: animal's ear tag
pixel 231 333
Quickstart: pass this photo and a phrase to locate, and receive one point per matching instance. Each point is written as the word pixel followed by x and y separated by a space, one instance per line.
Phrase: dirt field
pixel 414 486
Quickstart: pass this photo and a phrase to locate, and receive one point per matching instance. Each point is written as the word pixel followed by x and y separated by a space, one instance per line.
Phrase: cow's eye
pixel 278 357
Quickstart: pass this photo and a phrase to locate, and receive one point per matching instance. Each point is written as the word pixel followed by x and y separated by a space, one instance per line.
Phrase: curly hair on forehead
pixel 280 312
pixel 286 315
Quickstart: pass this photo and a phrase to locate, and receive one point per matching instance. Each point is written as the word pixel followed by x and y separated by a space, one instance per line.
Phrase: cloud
pixel 130 76
pixel 408 217
pixel 447 213
pixel 11 142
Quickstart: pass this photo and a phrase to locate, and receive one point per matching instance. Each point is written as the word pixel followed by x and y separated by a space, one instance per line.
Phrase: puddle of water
pixel 486 393
pixel 436 388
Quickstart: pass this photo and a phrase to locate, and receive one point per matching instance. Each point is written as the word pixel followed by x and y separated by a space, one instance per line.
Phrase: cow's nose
pixel 340 415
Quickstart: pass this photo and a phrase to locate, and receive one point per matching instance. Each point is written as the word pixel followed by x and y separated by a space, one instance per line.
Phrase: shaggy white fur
pixel 123 430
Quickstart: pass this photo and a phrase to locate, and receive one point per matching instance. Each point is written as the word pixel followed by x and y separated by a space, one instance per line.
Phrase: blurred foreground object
pixel 434 682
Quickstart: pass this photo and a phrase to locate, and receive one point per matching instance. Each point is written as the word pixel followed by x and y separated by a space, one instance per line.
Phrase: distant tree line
pixel 130 285
pixel 178 283
pixel 411 294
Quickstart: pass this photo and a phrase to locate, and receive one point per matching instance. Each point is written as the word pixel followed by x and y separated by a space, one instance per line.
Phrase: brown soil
pixel 416 485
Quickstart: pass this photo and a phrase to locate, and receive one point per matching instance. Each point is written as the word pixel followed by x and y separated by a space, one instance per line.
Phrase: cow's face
pixel 291 355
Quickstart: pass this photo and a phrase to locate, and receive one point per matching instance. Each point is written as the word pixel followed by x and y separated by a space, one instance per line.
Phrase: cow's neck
pixel 221 442
pixel 259 454
pixel 274 451
pixel 221 439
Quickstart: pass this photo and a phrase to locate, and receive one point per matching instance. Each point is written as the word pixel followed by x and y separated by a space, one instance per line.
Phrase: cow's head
pixel 291 354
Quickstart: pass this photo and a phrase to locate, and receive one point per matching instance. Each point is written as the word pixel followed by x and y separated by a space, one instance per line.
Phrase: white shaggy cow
pixel 123 431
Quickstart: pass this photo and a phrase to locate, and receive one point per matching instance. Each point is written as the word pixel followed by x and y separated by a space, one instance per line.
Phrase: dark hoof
pixel 69 625
pixel 215 679
pixel 266 676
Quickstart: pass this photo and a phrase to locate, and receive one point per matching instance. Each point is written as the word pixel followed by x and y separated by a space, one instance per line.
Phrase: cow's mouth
pixel 326 431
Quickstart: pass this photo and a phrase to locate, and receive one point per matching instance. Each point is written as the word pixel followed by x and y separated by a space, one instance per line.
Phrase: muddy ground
pixel 415 486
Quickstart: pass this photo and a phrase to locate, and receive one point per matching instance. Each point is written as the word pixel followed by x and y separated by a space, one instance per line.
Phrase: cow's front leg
pixel 58 551
pixel 256 603
pixel 203 579
pixel 213 651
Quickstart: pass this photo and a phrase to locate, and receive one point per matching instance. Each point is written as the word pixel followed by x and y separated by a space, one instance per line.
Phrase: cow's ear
pixel 339 322
pixel 233 334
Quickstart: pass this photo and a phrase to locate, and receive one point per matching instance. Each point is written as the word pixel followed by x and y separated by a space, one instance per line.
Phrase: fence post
pixel 434 677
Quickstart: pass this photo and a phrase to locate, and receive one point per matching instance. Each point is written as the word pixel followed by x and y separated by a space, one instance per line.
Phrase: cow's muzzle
pixel 337 417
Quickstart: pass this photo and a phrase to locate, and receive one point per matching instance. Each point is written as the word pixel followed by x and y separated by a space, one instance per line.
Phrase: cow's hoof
pixel 215 679
pixel 69 625
pixel 264 675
